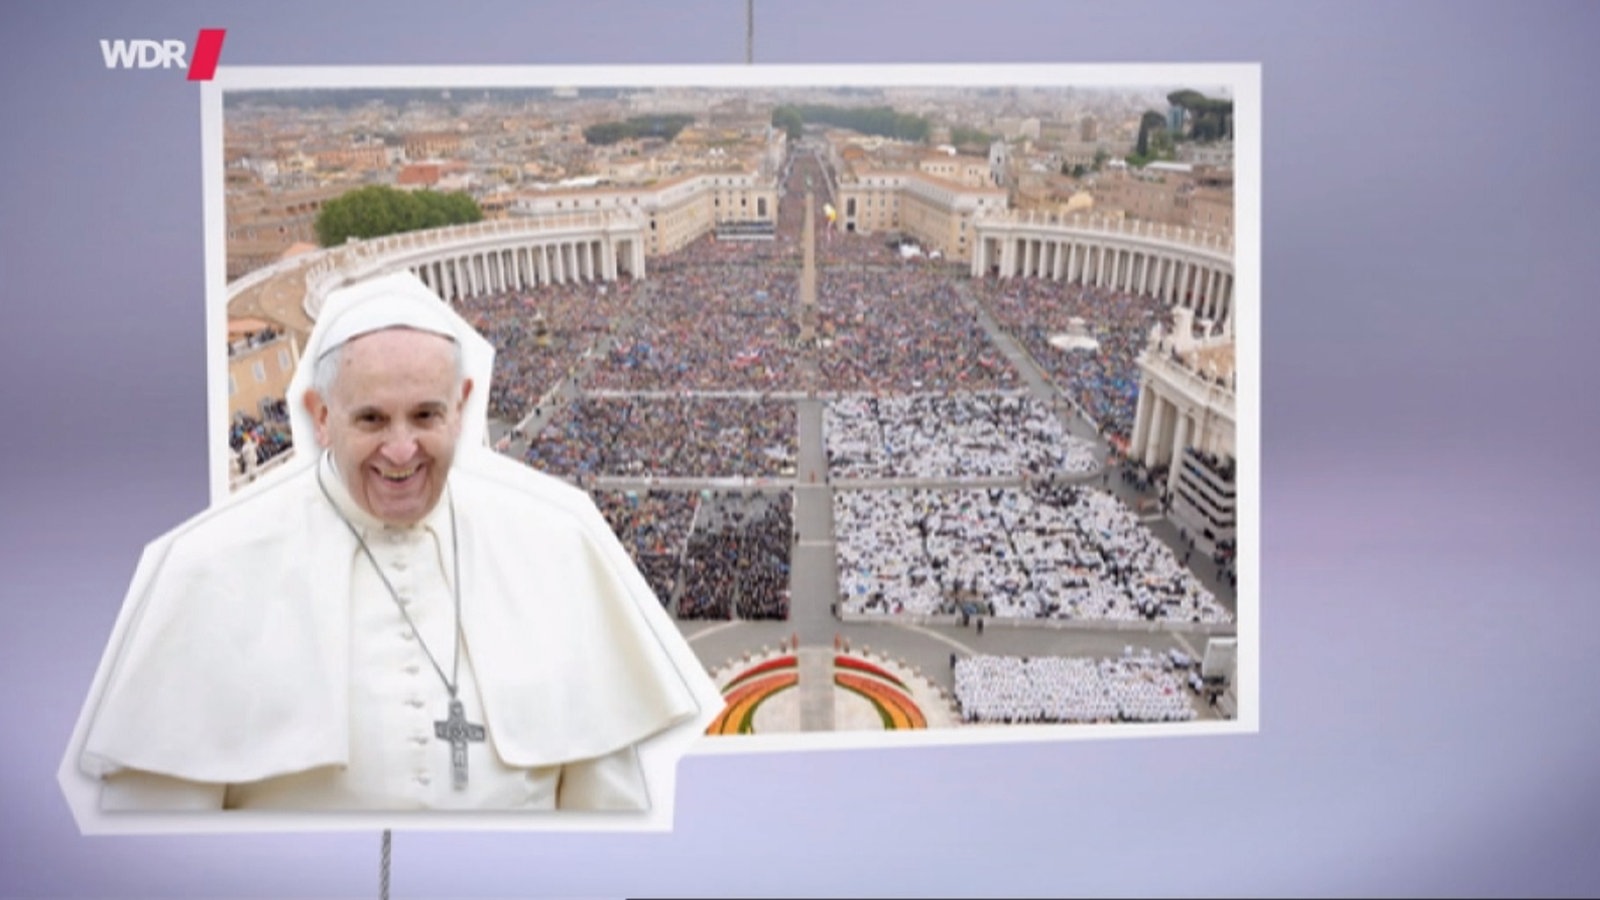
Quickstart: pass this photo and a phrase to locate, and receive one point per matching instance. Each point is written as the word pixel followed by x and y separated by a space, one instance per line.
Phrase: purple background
pixel 1431 722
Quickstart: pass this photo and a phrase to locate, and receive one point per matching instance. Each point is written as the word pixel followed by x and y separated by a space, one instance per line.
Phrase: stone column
pixel 1199 433
pixel 1141 420
pixel 1180 440
pixel 1158 422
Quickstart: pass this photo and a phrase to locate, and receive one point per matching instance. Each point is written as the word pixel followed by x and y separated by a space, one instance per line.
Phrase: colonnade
pixel 462 273
pixel 1198 278
pixel 1178 409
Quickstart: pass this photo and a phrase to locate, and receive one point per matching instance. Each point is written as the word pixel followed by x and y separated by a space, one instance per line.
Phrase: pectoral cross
pixel 458 731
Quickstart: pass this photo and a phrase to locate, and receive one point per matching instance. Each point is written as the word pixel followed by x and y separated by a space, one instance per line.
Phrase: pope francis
pixel 404 620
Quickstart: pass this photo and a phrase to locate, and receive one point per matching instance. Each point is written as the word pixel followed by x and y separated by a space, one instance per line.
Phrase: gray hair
pixel 326 370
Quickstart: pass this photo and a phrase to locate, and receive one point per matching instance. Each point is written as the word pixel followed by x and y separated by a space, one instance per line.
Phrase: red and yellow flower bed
pixel 861 665
pixel 771 665
pixel 895 709
pixel 749 689
pixel 878 686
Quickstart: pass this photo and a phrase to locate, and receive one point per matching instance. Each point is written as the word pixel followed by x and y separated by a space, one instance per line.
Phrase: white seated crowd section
pixel 1049 551
pixel 962 435
pixel 1056 689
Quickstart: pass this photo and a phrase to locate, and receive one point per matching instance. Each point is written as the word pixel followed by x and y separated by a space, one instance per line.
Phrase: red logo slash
pixel 207 47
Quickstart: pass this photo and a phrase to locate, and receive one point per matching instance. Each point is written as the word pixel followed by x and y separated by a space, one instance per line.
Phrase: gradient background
pixel 1431 614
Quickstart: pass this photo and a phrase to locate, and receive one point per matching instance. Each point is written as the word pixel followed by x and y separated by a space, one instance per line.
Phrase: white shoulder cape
pixel 233 661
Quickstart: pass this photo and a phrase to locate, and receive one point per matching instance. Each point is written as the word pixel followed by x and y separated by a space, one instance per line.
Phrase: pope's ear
pixel 318 409
pixel 466 391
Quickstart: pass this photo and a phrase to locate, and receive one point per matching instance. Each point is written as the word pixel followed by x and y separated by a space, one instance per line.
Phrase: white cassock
pixel 269 665
pixel 263 663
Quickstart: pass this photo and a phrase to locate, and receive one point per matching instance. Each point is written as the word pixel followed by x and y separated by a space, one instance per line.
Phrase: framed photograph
pixel 924 398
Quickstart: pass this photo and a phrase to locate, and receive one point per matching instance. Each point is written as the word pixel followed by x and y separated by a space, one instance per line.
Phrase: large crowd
pixel 1104 383
pixel 685 388
pixel 900 329
pixel 1013 690
pixel 538 336
pixel 708 555
pixel 1049 551
pixel 667 437
pixel 712 326
pixel 265 437
pixel 654 528
pixel 737 559
pixel 949 436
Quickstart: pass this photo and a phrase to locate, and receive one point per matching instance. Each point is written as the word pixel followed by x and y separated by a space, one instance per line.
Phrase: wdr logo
pixel 143 54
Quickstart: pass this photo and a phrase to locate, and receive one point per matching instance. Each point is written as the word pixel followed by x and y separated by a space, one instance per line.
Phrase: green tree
pixel 664 127
pixel 878 120
pixel 1209 119
pixel 378 210
pixel 1149 123
pixel 788 118
pixel 966 137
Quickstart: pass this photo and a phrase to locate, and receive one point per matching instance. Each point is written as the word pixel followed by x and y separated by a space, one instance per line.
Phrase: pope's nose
pixel 399 449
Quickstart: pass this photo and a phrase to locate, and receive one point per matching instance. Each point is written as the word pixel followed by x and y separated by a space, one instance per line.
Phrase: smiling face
pixel 391 417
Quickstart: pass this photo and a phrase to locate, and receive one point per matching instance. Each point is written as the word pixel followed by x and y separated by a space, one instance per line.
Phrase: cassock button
pixel 414 703
pixel 423 780
pixel 413 669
